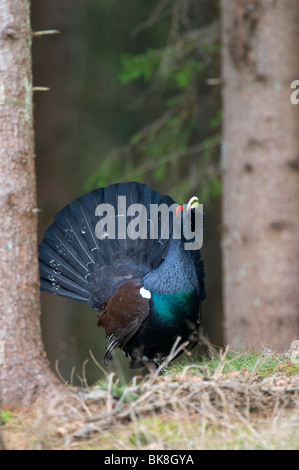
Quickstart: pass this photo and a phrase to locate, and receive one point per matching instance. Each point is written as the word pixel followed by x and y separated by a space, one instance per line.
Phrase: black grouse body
pixel 147 289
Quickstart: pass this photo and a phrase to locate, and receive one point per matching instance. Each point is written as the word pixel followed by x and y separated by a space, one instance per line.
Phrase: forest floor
pixel 225 401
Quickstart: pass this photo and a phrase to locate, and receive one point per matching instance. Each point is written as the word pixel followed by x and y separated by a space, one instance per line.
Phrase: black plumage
pixel 148 290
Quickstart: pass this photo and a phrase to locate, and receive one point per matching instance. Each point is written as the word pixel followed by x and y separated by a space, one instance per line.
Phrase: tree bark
pixel 24 371
pixel 260 173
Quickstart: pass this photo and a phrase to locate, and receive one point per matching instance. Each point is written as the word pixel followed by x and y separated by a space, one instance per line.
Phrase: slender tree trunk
pixel 24 371
pixel 260 173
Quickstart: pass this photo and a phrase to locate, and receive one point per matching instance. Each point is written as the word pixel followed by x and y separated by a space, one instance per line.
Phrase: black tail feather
pixel 74 263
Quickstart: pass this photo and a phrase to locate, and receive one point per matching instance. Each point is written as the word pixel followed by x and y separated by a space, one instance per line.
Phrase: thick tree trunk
pixel 24 371
pixel 260 173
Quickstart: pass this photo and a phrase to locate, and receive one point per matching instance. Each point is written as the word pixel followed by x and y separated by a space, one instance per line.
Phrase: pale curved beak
pixel 193 203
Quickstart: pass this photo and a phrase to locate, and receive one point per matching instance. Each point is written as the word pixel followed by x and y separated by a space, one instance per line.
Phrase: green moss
pixel 5 416
pixel 261 364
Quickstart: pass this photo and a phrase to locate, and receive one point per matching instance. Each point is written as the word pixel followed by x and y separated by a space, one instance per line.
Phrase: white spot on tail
pixel 145 293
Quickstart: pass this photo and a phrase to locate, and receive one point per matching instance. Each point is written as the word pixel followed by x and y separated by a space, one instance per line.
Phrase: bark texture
pixel 260 173
pixel 24 375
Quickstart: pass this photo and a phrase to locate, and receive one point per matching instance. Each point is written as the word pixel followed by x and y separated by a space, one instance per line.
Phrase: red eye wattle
pixel 178 210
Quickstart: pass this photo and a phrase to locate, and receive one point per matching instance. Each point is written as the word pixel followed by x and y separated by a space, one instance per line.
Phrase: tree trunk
pixel 24 371
pixel 260 173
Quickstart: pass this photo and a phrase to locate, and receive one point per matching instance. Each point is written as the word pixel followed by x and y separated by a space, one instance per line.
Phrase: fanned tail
pixel 76 264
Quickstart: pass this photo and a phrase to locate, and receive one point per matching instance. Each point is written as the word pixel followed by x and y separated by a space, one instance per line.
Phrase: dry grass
pixel 214 404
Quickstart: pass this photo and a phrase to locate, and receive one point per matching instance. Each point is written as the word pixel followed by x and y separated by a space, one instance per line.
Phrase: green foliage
pixel 5 416
pixel 187 72
pixel 211 188
pixel 138 66
pixel 236 361
pixel 176 148
pixel 143 66
pixel 233 361
pixel 216 120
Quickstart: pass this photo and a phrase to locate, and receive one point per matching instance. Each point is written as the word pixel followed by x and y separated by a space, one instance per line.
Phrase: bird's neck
pixel 175 274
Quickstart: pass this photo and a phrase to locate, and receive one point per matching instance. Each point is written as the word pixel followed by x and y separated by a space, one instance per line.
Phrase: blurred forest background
pixel 134 95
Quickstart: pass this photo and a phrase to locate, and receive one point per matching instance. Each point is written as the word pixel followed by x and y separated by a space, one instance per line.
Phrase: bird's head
pixel 193 203
pixel 192 217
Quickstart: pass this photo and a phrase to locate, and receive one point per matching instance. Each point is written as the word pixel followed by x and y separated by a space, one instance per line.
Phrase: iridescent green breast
pixel 175 309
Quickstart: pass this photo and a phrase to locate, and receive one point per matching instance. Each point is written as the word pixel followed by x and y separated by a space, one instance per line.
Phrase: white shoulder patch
pixel 145 293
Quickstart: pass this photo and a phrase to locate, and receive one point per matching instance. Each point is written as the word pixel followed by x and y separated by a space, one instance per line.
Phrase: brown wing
pixel 122 315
